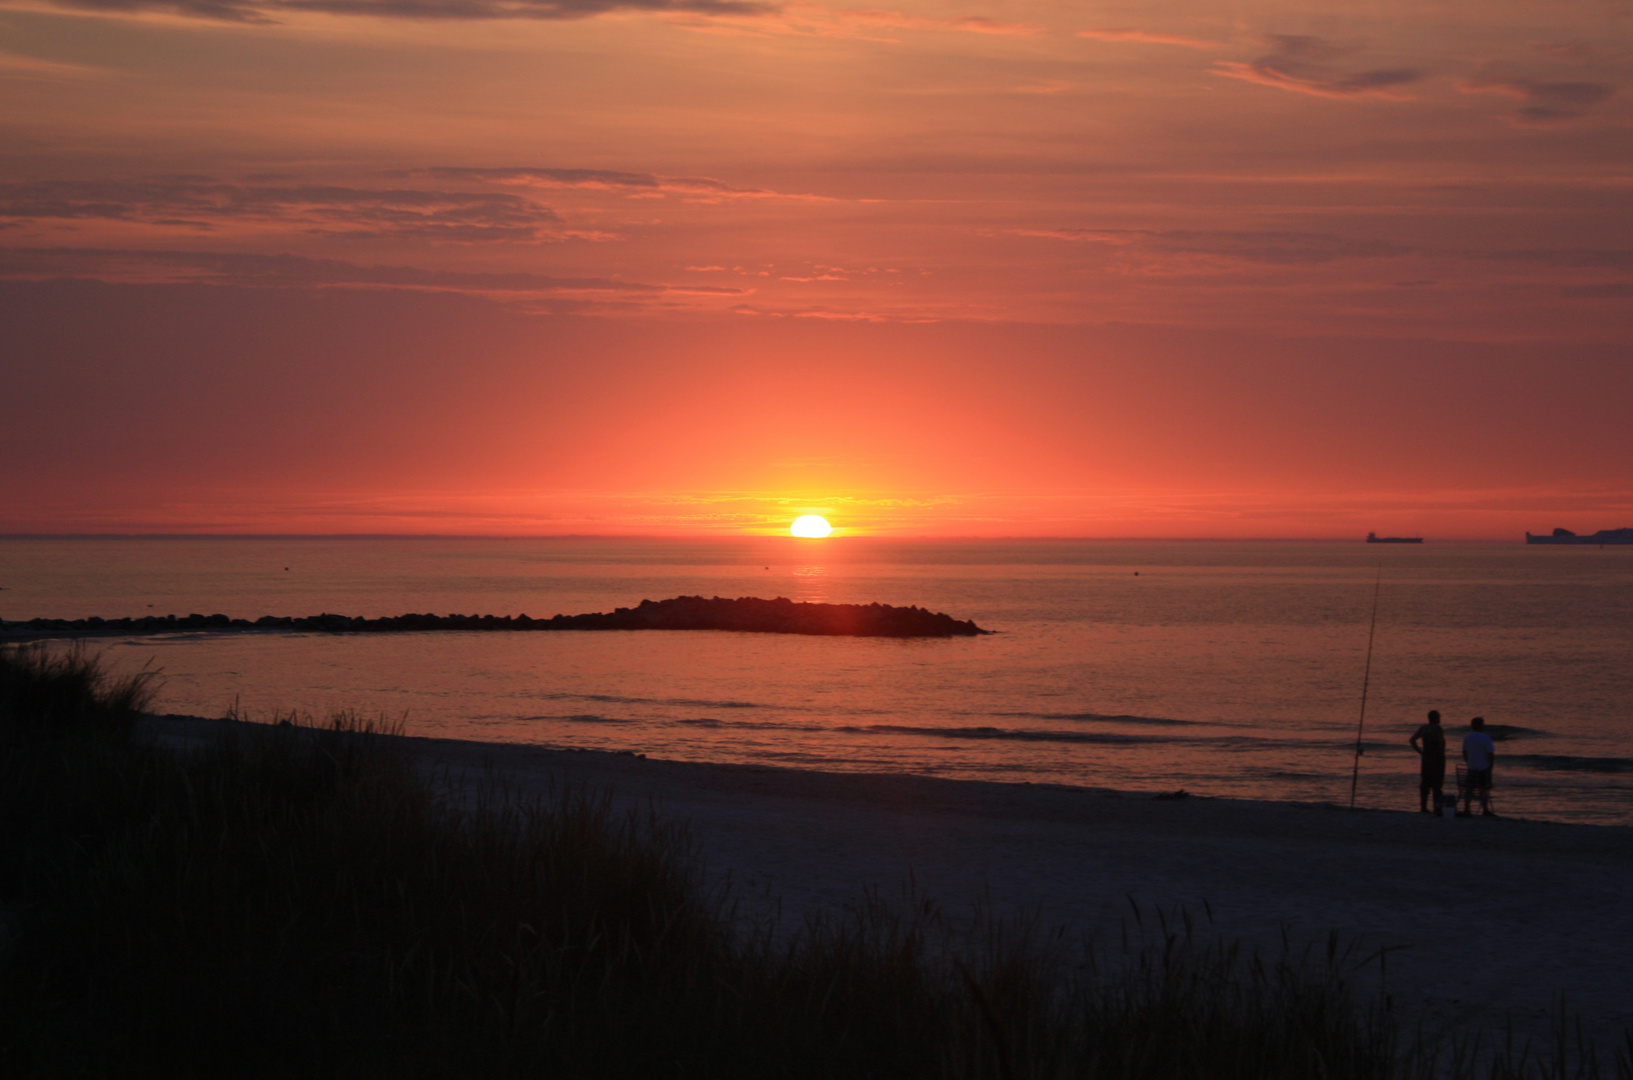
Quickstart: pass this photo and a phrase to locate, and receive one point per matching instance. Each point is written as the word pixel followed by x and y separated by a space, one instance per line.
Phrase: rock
pixel 747 614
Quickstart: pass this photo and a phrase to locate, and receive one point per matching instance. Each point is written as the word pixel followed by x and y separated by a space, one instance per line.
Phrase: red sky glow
pixel 698 266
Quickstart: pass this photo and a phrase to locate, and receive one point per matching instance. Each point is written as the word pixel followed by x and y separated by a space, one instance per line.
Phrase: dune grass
pixel 295 901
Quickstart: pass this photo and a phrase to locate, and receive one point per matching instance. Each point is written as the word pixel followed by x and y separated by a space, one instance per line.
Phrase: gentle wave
pixel 1016 734
pixel 1099 718
pixel 574 718
pixel 749 725
pixel 1567 763
pixel 690 703
pixel 1505 732
pixel 981 732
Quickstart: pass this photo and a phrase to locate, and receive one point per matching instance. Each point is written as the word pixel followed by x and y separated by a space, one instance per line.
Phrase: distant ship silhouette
pixel 1374 538
pixel 1565 536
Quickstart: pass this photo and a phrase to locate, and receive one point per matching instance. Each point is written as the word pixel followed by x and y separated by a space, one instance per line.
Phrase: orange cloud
pixel 613 180
pixel 1148 37
pixel 980 24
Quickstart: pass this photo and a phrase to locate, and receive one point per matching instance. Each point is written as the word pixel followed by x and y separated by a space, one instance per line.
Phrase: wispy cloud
pixel 980 24
pixel 269 11
pixel 1045 87
pixel 866 24
pixel 1546 102
pixel 717 15
pixel 1561 258
pixel 1256 246
pixel 1572 51
pixel 1147 37
pixel 1113 237
pixel 1611 290
pixel 17 65
pixel 1309 65
pixel 612 180
pixel 836 314
pixel 297 271
pixel 205 204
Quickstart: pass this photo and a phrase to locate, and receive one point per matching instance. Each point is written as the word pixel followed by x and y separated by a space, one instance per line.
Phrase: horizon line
pixel 736 536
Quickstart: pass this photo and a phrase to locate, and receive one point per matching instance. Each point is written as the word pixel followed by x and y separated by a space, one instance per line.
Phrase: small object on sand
pixel 1174 795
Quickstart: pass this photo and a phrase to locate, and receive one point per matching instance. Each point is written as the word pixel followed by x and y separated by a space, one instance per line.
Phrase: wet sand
pixel 1487 921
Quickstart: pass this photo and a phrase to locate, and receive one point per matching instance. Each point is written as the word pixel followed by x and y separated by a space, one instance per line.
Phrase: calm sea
pixel 1230 669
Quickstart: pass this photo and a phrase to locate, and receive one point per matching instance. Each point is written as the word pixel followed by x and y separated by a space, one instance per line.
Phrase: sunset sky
pixel 1255 269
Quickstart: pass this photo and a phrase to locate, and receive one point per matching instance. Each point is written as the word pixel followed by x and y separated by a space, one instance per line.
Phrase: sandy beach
pixel 1487 922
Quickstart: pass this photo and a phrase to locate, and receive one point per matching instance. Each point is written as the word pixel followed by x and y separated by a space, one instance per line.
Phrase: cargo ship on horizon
pixel 1374 538
pixel 1565 536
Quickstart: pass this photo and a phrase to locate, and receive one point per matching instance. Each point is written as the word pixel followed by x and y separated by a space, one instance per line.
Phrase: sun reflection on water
pixel 812 584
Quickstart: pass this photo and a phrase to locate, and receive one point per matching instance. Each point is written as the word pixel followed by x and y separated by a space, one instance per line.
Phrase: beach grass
pixel 297 900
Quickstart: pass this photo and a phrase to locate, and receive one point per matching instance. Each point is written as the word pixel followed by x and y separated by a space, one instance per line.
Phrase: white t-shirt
pixel 1479 749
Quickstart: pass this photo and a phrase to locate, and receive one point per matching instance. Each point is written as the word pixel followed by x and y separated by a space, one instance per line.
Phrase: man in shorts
pixel 1480 753
pixel 1429 740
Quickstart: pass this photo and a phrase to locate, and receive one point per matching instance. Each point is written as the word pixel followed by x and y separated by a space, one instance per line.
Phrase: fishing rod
pixel 1366 679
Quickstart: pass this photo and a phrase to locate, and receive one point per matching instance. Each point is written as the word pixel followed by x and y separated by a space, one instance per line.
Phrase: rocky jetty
pixel 747 613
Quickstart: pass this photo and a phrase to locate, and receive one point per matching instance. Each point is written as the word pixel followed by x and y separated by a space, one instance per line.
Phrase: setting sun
pixel 811 525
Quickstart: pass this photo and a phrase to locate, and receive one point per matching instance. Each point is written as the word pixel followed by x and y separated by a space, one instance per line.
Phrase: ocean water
pixel 1226 669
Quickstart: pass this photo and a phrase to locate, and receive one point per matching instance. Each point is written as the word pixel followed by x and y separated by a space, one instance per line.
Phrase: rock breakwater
pixel 748 613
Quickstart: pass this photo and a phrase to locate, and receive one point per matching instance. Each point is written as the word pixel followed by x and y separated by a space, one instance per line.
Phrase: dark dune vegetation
pixel 299 902
pixel 747 613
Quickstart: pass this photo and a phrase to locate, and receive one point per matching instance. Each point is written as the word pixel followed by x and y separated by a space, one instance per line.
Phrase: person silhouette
pixel 1480 753
pixel 1429 740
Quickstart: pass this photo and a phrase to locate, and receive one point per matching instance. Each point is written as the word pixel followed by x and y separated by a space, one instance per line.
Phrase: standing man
pixel 1480 752
pixel 1429 740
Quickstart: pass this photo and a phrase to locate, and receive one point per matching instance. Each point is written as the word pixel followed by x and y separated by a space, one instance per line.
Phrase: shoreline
pixel 1485 922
